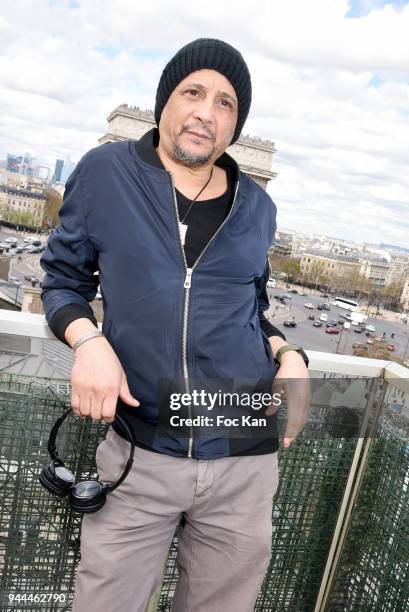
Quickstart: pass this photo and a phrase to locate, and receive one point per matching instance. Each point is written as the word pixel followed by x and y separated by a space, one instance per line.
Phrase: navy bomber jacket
pixel 165 321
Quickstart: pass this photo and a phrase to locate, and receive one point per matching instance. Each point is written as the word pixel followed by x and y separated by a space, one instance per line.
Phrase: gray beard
pixel 190 159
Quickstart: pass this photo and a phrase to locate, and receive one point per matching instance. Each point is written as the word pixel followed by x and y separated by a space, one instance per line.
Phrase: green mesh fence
pixel 39 536
pixel 373 571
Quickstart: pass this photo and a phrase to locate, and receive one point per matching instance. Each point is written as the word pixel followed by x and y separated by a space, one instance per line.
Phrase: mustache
pixel 199 128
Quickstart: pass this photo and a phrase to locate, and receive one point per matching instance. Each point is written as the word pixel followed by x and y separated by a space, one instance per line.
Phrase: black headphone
pixel 88 495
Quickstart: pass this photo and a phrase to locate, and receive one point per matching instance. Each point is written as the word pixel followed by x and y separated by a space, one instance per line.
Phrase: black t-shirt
pixel 204 219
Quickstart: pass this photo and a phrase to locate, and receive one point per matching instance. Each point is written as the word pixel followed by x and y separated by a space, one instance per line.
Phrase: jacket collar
pixel 146 149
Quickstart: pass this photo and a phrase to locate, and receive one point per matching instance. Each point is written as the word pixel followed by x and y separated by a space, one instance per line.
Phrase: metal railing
pixel 340 514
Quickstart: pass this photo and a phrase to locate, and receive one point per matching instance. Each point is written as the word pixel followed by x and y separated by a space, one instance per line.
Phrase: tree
pixel 53 201
pixel 391 295
pixel 291 267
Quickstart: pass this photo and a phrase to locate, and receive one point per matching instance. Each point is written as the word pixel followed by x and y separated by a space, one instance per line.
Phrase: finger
pixel 96 406
pixel 75 403
pixel 85 406
pixel 125 394
pixel 288 441
pixel 109 408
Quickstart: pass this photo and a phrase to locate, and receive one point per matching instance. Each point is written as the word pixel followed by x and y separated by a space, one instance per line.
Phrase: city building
pixel 68 167
pixel 320 266
pixel 253 155
pixel 281 249
pixel 57 171
pixel 375 269
pixel 22 200
pixel 398 269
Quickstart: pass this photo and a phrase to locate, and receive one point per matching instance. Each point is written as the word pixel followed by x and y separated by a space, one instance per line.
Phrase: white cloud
pixel 341 140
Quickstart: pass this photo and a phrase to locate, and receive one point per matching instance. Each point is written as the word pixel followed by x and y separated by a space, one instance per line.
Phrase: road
pixel 30 263
pixel 315 338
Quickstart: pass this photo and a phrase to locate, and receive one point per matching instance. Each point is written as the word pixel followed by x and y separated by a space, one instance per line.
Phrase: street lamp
pixel 346 325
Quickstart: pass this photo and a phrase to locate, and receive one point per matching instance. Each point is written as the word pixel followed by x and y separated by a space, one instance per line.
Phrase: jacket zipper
pixel 187 285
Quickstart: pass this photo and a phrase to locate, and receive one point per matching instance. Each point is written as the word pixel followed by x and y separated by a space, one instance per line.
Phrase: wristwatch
pixel 290 347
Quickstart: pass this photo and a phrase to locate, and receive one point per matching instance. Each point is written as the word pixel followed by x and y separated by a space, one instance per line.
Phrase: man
pixel 180 238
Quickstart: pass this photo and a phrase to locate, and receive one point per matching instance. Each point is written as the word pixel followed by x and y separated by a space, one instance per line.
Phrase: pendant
pixel 182 232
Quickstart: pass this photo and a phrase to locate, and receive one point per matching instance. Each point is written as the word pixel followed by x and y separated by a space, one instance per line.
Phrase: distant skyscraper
pixel 57 170
pixel 43 172
pixel 12 162
pixel 67 169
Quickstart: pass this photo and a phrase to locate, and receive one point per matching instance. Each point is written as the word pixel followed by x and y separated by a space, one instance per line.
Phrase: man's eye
pixel 192 91
pixel 227 103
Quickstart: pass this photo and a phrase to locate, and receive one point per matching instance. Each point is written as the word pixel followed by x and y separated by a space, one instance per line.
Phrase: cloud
pixel 330 82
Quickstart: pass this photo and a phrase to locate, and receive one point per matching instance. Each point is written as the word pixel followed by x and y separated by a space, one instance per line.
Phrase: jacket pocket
pixel 256 344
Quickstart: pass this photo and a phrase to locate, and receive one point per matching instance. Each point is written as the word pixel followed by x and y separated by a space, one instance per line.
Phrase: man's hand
pixel 292 378
pixel 97 379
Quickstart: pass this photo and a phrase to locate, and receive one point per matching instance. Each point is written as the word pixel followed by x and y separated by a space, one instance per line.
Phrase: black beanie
pixel 212 54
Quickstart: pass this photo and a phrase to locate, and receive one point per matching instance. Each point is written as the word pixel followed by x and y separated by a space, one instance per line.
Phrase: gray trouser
pixel 224 548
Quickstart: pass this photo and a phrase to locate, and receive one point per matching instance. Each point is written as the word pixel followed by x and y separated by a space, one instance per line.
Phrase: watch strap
pixel 290 347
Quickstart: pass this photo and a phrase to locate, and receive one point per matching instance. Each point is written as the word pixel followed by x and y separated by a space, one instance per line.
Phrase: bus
pixel 345 303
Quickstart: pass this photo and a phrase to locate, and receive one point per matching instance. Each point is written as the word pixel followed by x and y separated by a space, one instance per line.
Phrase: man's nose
pixel 205 112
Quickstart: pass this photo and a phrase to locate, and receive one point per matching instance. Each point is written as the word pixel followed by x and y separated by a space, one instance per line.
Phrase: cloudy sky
pixel 330 82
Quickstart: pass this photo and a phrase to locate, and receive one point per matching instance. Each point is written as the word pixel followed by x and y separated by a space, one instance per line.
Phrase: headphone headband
pixel 52 449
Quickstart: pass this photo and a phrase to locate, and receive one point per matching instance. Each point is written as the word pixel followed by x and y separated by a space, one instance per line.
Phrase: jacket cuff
pixel 270 330
pixel 65 315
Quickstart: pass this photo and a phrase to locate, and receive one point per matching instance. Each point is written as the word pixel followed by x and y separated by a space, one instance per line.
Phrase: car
pixel 309 305
pixel 370 328
pixel 331 330
pixel 293 290
pixel 271 284
pixel 334 321
pixel 358 345
pixel 12 251
pixel 288 297
pixel 304 293
pixel 311 317
pixel 15 280
pixel 30 276
pixel 355 323
pixel 329 324
pixel 19 248
pixel 370 341
pixel 324 317
pixel 320 307
pixel 317 324
pixel 34 249
pixel 290 324
pixel 11 240
pixel 326 307
pixel 369 334
pixel 342 315
pixel 359 330
pixel 348 316
pixel 390 346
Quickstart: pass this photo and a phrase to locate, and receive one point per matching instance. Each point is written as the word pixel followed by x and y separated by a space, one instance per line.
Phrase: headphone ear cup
pixel 87 496
pixel 55 485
